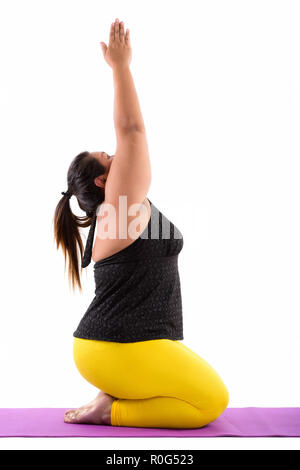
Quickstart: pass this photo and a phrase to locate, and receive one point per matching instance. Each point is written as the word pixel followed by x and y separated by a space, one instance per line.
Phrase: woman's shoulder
pixel 106 247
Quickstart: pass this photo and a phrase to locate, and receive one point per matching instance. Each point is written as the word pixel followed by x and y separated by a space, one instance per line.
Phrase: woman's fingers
pixel 121 31
pixel 112 33
pixel 117 30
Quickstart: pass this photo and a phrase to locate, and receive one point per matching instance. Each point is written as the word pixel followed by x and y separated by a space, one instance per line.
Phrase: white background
pixel 219 87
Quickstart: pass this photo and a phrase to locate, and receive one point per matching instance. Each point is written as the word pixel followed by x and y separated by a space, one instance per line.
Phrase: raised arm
pixel 127 111
pixel 130 171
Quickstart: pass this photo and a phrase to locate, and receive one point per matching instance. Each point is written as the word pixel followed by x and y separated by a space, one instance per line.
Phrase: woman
pixel 128 342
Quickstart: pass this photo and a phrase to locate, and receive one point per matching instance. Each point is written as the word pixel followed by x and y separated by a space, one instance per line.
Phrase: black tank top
pixel 137 294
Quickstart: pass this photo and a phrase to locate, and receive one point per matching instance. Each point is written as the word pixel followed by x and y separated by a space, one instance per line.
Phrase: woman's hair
pixel 81 174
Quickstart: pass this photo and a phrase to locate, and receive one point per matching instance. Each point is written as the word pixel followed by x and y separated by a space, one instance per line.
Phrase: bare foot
pixel 96 412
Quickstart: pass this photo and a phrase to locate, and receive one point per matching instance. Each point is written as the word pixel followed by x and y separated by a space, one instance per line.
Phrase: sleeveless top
pixel 137 289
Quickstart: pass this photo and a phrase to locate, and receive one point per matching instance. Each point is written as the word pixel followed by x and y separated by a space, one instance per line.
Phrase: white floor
pixel 219 443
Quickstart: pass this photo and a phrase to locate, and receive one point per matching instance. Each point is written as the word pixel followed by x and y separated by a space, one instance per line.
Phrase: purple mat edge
pixel 230 418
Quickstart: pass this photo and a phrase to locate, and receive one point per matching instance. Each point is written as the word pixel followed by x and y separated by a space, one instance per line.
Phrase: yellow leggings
pixel 157 383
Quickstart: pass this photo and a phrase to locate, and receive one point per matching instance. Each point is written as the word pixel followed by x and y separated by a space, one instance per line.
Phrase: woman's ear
pixel 100 181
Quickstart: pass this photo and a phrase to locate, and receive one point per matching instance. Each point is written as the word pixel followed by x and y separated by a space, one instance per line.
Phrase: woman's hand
pixel 118 52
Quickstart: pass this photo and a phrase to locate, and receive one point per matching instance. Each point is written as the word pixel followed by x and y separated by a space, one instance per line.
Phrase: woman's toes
pixel 93 413
pixel 77 416
pixel 69 416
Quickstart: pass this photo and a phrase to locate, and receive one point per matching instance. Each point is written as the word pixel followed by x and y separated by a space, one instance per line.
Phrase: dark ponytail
pixel 81 174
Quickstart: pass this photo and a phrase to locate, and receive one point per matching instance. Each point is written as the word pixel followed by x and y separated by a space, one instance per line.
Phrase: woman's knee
pixel 218 402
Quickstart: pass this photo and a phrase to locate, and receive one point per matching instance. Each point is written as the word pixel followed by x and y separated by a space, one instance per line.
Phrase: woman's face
pixel 105 159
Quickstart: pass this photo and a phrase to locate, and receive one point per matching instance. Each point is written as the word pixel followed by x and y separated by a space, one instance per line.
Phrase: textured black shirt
pixel 137 294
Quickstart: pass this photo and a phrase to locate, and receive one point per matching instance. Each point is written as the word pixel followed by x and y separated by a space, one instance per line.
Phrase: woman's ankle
pixel 107 415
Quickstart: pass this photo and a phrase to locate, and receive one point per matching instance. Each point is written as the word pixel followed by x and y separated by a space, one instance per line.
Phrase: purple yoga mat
pixel 236 422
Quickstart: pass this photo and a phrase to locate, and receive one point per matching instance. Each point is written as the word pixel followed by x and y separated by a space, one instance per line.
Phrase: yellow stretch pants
pixel 158 383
